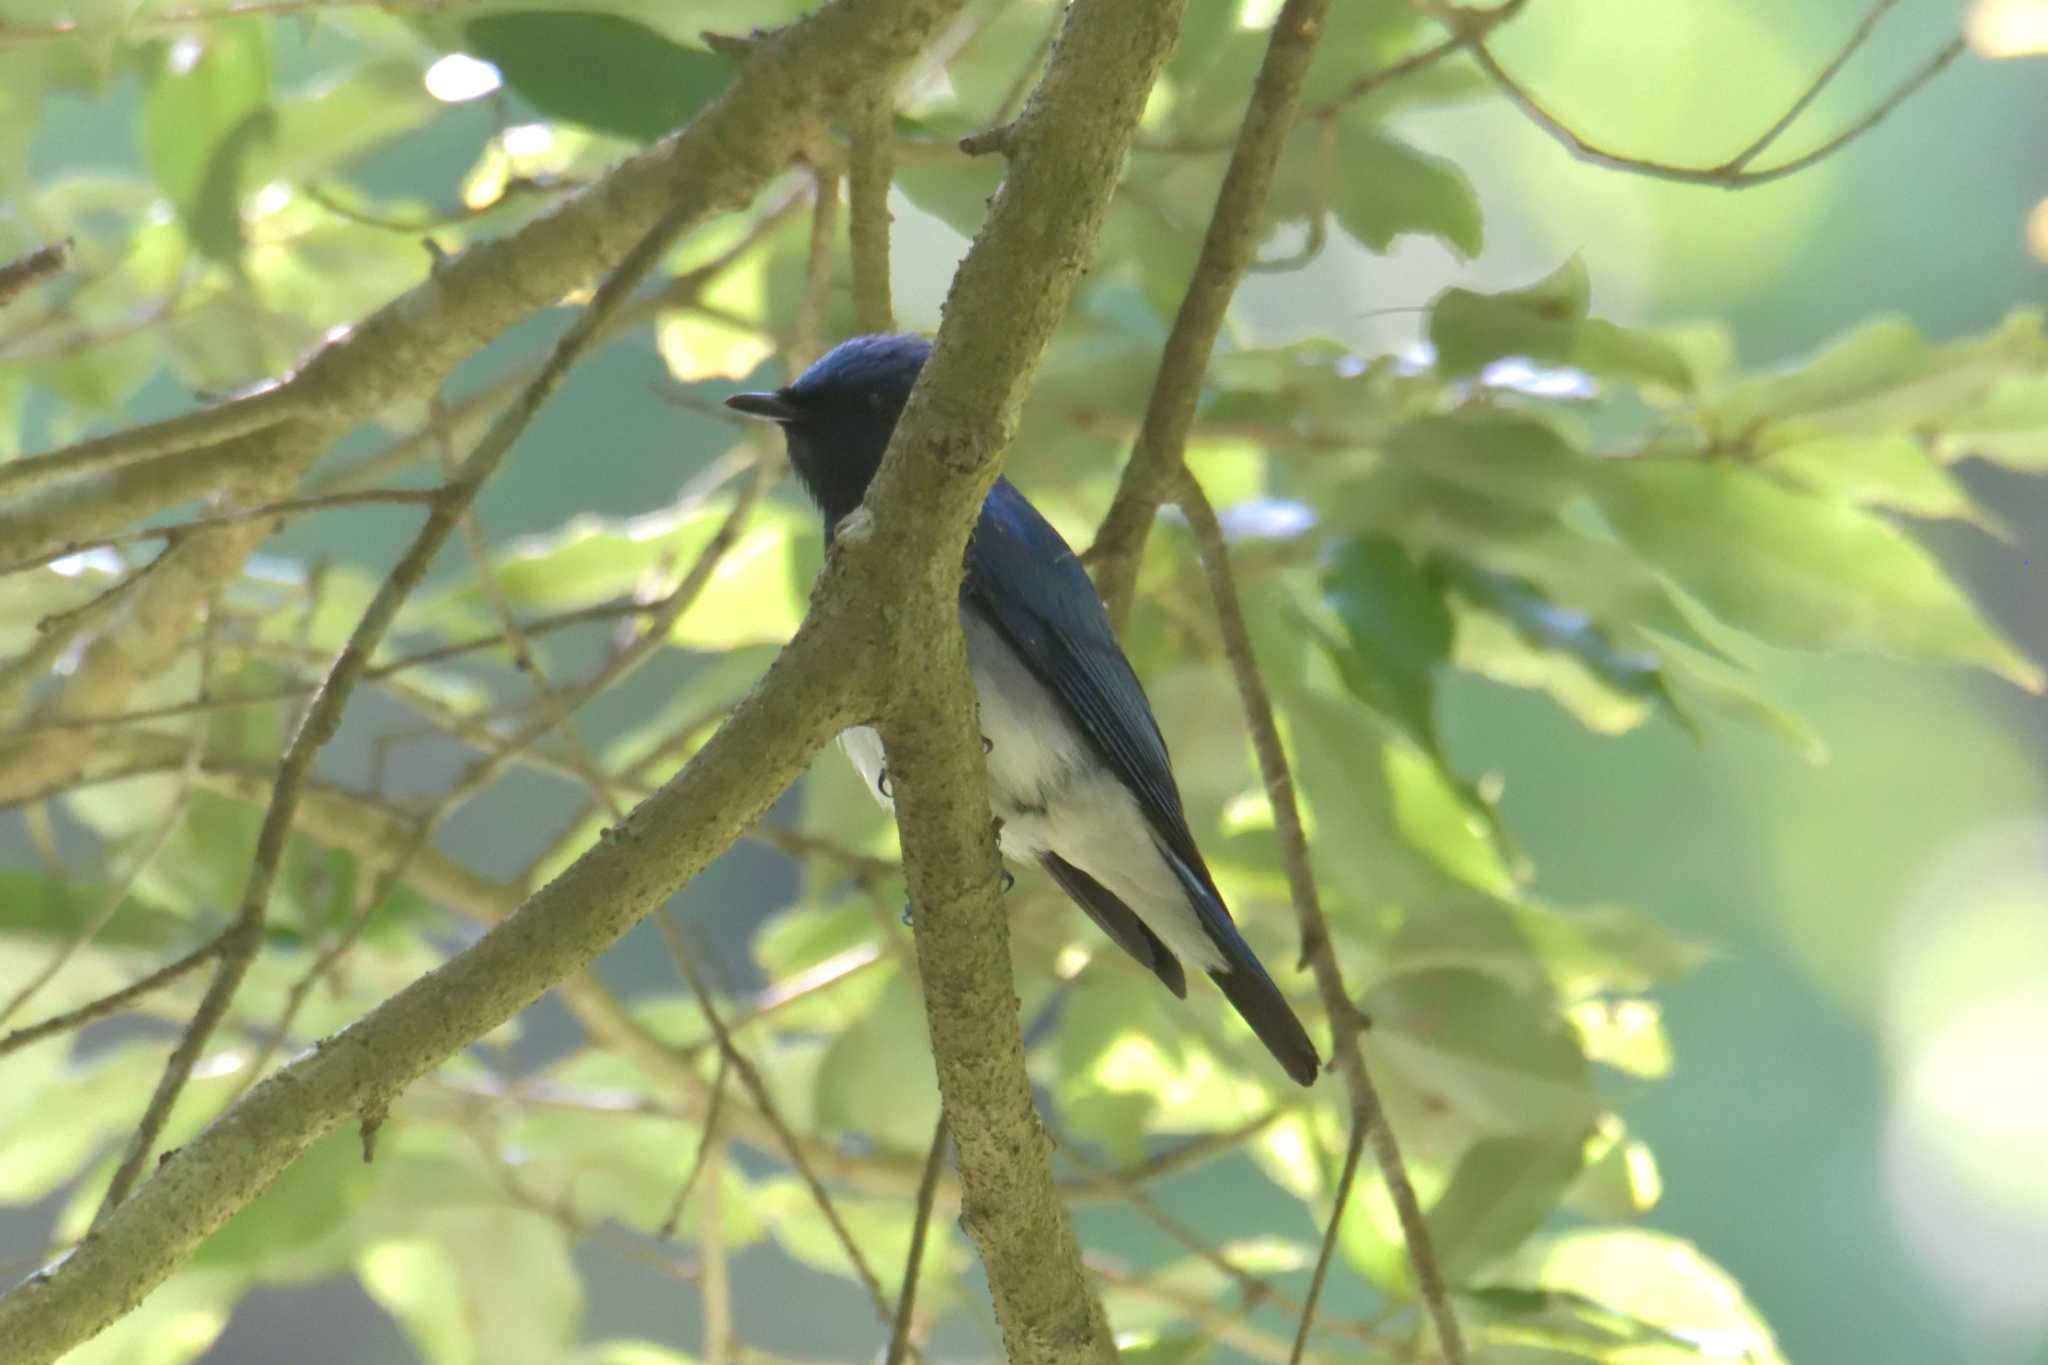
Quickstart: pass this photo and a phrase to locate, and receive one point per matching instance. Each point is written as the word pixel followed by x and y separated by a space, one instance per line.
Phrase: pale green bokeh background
pixel 1858 1124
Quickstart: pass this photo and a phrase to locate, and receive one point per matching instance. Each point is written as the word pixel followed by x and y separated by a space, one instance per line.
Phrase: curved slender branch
pixel 1735 173
pixel 1234 226
pixel 904 1323
pixel 1368 1116
pixel 25 272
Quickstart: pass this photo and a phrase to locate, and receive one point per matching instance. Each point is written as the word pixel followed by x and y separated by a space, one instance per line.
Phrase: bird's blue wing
pixel 1026 581
pixel 1022 578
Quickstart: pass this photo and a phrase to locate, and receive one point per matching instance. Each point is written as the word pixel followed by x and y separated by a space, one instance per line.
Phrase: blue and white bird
pixel 1077 771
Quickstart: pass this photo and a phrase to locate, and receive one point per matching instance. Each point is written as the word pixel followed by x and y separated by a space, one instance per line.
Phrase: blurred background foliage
pixel 1612 544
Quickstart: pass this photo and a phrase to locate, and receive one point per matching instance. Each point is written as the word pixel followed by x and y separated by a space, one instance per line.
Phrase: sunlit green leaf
pixel 1383 188
pixel 417 1283
pixel 877 1078
pixel 1654 1279
pixel 1621 1179
pixel 1891 470
pixel 1546 322
pixel 1398 626
pixel 312 1195
pixel 1502 1190
pixel 1497 1057
pixel 1796 570
pixel 206 112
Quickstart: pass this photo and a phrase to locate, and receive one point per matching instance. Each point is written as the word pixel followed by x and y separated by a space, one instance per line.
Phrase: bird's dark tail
pixel 1243 981
pixel 1254 996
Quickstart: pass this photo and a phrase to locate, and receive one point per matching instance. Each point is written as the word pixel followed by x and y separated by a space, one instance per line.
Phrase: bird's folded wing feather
pixel 1025 580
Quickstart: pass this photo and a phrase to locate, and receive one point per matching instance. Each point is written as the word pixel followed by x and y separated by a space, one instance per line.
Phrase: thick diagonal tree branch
pixel 881 642
pixel 1067 150
pixel 791 81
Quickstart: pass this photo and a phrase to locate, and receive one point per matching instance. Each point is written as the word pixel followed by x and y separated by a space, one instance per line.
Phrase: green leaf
pixel 2009 426
pixel 1884 378
pixel 1621 1179
pixel 325 129
pixel 1797 571
pixel 1528 947
pixel 605 72
pixel 881 1228
pixel 1398 628
pixel 175 1324
pixel 1650 1278
pixel 753 596
pixel 876 1078
pixel 1511 633
pixel 1176 1348
pixel 1885 470
pixel 1879 355
pixel 627 1352
pixel 1498 1058
pixel 417 1283
pixel 205 113
pixel 1360 37
pixel 1625 1034
pixel 1500 1193
pixel 1383 188
pixel 1511 465
pixel 482 1286
pixel 954 192
pixel 311 1198
pixel 41 914
pixel 1546 322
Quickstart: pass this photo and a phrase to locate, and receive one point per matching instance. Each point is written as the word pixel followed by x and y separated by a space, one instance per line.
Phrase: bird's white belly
pixel 1054 795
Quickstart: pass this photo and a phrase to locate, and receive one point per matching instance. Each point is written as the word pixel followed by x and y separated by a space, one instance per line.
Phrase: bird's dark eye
pixel 877 399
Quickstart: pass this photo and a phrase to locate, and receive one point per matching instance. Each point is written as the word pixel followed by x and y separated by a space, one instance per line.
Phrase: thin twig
pixel 867 222
pixel 167 824
pixel 906 1300
pixel 25 272
pixel 1346 1022
pixel 714 1285
pixel 523 658
pixel 1218 1322
pixel 290 507
pixel 1735 172
pixel 1857 38
pixel 706 1138
pixel 513 188
pixel 1345 1183
pixel 757 1090
pixel 112 1003
pixel 560 1213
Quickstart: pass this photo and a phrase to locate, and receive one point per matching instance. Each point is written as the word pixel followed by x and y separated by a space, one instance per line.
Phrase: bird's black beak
pixel 771 406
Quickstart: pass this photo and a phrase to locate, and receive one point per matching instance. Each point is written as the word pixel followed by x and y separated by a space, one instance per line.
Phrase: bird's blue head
pixel 839 414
